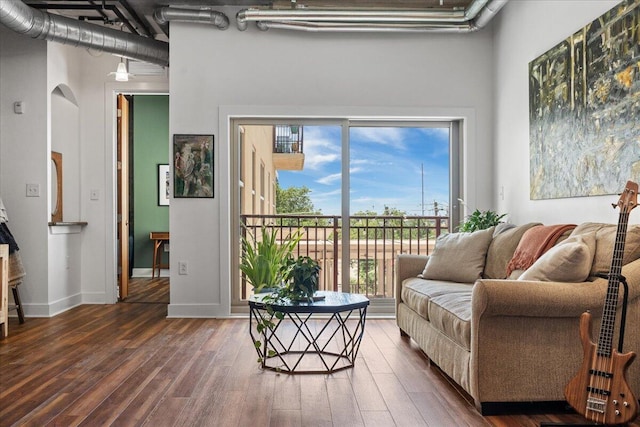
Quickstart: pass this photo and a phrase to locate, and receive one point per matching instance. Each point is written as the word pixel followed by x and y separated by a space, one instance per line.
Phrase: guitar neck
pixel 605 341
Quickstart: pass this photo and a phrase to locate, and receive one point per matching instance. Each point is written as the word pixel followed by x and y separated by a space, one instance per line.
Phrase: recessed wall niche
pixel 65 141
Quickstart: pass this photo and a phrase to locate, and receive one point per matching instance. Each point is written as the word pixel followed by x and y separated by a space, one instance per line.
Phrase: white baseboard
pixel 146 272
pixel 53 308
pixel 196 311
pixel 94 298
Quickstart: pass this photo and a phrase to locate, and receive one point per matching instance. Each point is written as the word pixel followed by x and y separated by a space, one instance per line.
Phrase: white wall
pixel 523 31
pixel 219 73
pixel 24 155
pixel 65 252
pixel 62 269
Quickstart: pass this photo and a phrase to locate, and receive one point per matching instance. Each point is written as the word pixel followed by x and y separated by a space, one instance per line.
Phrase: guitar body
pixel 600 391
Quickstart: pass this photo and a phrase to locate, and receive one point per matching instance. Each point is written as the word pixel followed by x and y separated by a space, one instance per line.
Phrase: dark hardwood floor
pixel 127 365
pixel 147 290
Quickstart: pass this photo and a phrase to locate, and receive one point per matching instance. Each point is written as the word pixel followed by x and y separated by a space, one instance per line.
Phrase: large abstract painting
pixel 584 109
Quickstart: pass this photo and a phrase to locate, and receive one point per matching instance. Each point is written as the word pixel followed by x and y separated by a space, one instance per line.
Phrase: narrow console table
pixel 309 337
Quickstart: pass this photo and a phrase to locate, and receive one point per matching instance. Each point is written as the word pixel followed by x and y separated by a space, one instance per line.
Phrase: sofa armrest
pixel 408 265
pixel 536 299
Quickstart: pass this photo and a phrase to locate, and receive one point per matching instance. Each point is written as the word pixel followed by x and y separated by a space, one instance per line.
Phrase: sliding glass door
pixel 360 192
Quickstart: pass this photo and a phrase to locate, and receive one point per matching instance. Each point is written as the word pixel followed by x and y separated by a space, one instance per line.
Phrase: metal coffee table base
pixel 326 345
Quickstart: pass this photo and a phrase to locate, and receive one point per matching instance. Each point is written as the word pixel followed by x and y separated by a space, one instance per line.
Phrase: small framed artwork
pixel 193 166
pixel 163 185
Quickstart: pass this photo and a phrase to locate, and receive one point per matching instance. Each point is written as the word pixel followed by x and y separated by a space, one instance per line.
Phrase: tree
pixel 293 200
pixel 297 200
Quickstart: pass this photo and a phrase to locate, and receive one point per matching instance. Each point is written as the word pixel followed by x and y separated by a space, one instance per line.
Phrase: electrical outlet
pixel 183 267
pixel 33 190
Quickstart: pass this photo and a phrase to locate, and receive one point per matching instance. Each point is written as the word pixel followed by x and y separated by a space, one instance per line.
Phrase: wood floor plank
pixel 287 388
pixel 366 390
pixel 257 406
pixel 143 404
pixel 343 403
pixel 128 365
pixel 285 418
pixel 168 413
pixel 378 419
pixel 314 402
pixel 403 411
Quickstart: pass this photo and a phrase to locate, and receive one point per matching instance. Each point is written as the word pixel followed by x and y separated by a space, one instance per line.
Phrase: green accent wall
pixel 150 148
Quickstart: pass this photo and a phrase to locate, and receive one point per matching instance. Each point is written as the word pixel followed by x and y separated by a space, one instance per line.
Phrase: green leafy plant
pixel 299 284
pixel 303 276
pixel 265 259
pixel 480 221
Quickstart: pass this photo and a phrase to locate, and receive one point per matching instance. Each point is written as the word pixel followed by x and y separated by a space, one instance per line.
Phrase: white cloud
pixel 320 148
pixel 386 136
pixel 329 179
pixel 316 161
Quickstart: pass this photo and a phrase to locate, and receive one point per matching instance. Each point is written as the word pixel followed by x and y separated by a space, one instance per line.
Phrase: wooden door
pixel 123 197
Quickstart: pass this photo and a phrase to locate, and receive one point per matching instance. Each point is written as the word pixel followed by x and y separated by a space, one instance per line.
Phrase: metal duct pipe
pixel 477 15
pixel 489 12
pixel 163 15
pixel 36 24
pixel 363 27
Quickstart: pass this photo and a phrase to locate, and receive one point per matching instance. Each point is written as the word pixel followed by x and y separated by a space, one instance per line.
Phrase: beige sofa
pixel 506 340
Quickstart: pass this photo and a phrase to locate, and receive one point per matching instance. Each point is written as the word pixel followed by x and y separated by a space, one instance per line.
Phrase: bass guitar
pixel 599 391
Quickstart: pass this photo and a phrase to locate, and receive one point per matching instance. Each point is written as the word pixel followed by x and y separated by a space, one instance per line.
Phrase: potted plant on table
pixel 303 276
pixel 265 259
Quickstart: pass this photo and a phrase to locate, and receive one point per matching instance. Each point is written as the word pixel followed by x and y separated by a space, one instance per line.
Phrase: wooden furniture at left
pixel 158 237
pixel 4 289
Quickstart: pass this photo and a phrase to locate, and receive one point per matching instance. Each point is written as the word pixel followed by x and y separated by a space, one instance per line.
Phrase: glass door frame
pixel 386 306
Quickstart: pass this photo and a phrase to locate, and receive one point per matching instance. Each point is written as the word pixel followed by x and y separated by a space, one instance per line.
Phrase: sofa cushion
pixel 605 239
pixel 459 257
pixel 450 313
pixel 416 292
pixel 446 304
pixel 568 261
pixel 501 250
pixel 535 242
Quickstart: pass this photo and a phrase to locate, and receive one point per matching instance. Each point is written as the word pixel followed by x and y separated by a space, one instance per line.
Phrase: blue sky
pixel 385 168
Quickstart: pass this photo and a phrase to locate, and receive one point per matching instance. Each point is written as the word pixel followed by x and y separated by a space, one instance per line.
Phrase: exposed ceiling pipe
pixel 476 16
pixel 163 15
pixel 36 24
pixel 489 12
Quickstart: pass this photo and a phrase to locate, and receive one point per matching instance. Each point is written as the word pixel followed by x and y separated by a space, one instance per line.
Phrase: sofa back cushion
pixel 459 257
pixel 501 250
pixel 605 239
pixel 568 261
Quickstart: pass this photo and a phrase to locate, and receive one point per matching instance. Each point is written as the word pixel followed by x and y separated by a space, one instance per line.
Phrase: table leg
pixel 156 245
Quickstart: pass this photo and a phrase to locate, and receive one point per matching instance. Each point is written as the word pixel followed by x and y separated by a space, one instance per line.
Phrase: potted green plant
pixel 265 259
pixel 480 221
pixel 303 275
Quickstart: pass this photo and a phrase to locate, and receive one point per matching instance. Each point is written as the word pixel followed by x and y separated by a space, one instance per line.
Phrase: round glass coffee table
pixel 322 336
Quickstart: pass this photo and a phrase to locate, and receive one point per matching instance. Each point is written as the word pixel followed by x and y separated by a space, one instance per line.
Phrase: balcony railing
pixel 374 243
pixel 288 139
